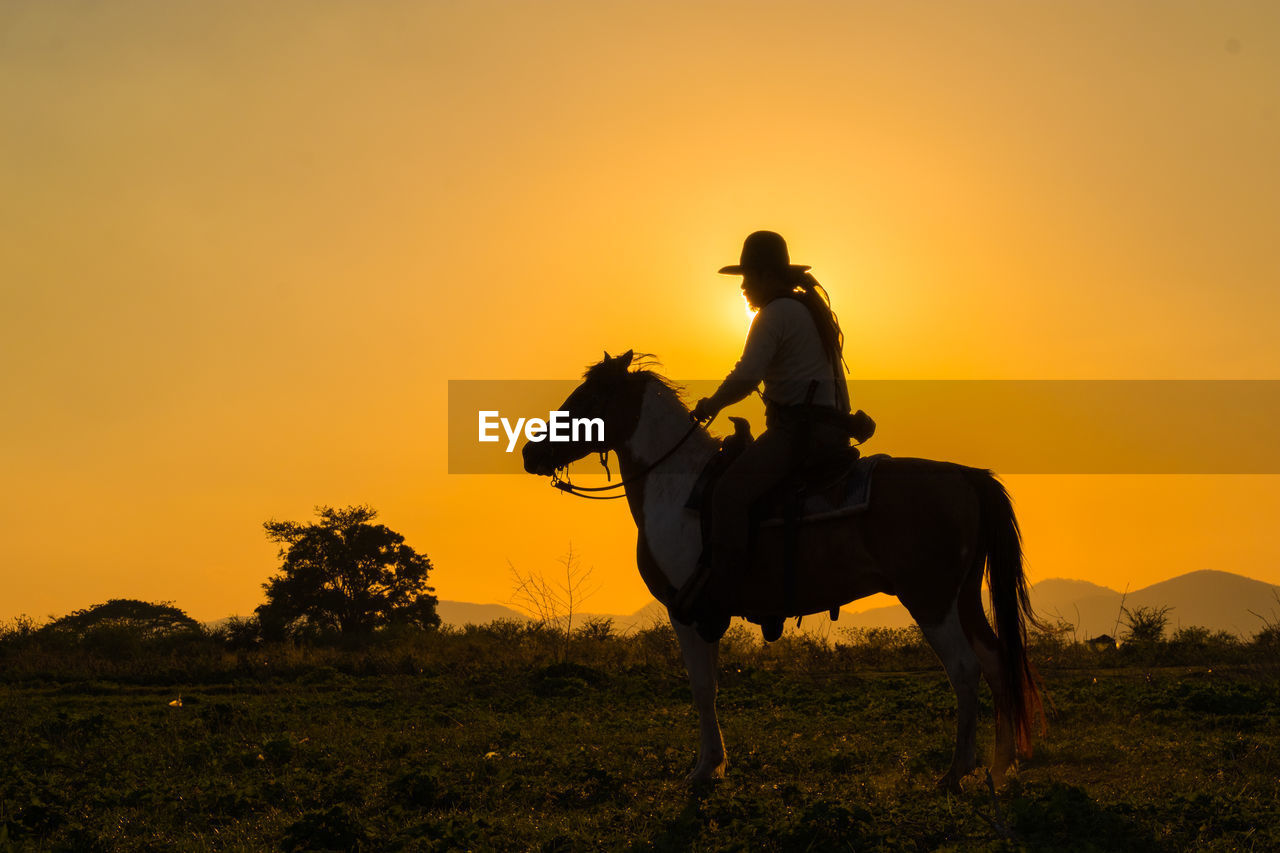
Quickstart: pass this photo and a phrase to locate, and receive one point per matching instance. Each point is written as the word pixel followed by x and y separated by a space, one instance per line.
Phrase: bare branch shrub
pixel 1268 637
pixel 554 603
pixel 1052 638
pixel 1146 625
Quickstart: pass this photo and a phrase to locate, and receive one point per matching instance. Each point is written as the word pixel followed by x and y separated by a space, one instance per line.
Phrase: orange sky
pixel 244 246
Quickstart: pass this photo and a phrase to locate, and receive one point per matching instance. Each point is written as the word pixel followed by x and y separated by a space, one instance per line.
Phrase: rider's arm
pixel 762 345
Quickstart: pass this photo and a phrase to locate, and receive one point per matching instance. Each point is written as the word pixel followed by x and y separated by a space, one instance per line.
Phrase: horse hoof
pixel 702 776
pixel 703 780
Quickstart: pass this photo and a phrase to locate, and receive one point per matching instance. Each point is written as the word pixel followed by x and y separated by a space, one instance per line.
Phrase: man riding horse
pixel 933 532
pixel 794 347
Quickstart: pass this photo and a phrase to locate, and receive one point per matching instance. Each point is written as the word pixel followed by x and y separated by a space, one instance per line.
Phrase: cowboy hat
pixel 764 251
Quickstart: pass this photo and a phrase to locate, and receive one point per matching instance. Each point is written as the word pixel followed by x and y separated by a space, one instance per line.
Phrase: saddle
pixel 832 487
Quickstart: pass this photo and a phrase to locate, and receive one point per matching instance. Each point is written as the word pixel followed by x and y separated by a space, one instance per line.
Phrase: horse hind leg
pixel 963 669
pixel 985 646
pixel 701 660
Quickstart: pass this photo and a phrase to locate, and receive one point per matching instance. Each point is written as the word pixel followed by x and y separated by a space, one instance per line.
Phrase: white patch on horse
pixel 672 532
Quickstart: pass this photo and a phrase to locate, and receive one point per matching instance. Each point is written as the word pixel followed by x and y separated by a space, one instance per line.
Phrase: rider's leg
pixel 763 464
pixel 776 453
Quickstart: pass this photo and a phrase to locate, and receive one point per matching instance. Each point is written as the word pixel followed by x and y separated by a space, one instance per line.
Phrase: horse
pixel 931 532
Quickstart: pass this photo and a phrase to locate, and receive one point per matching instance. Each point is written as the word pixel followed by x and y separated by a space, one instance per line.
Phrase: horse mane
pixel 643 365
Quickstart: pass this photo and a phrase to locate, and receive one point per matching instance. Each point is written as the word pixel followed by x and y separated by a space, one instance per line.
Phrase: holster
pixel 857 425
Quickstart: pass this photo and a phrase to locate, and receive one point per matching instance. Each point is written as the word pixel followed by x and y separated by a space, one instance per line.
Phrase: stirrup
pixel 771 628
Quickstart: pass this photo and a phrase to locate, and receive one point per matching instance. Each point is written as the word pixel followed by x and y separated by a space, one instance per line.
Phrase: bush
pixel 1145 625
pixel 1196 645
pixel 658 645
pixel 238 633
pixel 235 650
pixel 1051 638
pixel 740 646
pixel 887 648
pixel 1268 638
pixel 20 633
pixel 596 629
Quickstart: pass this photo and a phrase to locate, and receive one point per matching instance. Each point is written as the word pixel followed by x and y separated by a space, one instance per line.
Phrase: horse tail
pixel 1010 606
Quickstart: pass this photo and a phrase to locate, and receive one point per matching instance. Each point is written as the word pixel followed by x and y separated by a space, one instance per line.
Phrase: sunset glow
pixel 245 246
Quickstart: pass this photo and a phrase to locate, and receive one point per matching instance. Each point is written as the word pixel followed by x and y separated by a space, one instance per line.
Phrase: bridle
pixel 581 491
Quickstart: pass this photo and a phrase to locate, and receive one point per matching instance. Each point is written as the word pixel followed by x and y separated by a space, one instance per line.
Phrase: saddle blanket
pixel 856 496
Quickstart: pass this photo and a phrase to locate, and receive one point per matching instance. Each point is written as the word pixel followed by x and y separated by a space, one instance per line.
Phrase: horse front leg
pixel 701 661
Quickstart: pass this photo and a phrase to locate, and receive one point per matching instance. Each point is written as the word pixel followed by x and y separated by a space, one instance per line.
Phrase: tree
pixel 346 574
pixel 142 618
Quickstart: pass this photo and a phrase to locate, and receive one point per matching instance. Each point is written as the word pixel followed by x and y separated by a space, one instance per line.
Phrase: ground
pixel 575 757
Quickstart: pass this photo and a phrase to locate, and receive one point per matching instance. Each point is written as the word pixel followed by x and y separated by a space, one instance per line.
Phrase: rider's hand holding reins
pixel 703 411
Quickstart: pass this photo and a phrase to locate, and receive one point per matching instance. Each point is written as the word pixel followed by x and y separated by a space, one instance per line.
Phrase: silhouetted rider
pixel 794 348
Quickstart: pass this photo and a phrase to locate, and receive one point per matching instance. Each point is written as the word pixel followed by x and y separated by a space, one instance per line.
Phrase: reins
pixel 580 491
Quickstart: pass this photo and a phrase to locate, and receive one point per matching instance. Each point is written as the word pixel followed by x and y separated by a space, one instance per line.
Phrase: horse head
pixel 611 392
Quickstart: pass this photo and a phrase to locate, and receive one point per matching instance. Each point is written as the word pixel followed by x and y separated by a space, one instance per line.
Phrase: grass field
pixel 476 741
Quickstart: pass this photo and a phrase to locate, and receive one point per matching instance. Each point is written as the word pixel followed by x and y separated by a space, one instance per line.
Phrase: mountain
pixel 1219 601
pixel 459 613
pixel 1054 599
pixel 1212 599
pixel 1091 608
pixel 1059 594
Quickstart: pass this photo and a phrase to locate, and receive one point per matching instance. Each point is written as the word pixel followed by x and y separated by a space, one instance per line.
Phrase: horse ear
pixel 607 356
pixel 626 357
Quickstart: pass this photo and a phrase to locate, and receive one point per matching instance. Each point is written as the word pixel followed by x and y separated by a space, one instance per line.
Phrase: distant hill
pixel 459 613
pixel 1211 599
pixel 1219 601
pixel 1093 609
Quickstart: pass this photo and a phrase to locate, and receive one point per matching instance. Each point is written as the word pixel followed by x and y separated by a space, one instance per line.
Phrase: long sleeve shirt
pixel 785 352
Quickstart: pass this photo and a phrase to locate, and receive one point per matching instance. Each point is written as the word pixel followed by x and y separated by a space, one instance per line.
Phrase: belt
pixel 804 411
